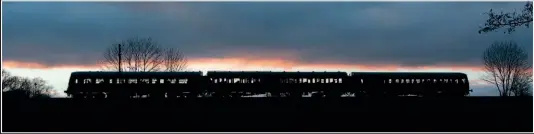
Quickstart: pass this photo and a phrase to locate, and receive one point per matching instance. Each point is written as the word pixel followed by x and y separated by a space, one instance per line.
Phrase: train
pixel 267 83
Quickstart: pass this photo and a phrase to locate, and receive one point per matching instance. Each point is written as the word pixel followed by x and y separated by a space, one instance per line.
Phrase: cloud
pixel 370 33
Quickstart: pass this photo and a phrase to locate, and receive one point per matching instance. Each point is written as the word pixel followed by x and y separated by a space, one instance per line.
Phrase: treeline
pixel 25 87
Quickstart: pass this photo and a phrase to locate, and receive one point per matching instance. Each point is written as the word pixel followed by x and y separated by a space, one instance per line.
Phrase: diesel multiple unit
pixel 272 84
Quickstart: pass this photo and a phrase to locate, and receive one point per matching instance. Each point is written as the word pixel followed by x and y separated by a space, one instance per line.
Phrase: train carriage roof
pixel 133 74
pixel 410 74
pixel 273 74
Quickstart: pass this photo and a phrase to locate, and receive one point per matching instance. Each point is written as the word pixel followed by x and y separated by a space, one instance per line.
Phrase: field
pixel 486 114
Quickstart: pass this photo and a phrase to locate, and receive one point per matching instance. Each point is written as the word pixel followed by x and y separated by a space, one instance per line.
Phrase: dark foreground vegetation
pixel 487 114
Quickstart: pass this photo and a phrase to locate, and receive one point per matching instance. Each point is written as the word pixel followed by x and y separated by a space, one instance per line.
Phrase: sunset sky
pixel 52 39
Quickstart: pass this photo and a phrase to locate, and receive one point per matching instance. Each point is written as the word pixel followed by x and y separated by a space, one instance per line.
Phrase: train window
pixel 322 80
pixel 456 80
pixel 110 81
pixel 121 81
pixel 132 81
pixel 75 81
pixel 172 81
pixel 435 81
pixel 182 81
pixel 463 81
pixel 161 81
pixel 145 81
pixel 86 81
pixel 361 80
pixel 340 80
pixel 98 81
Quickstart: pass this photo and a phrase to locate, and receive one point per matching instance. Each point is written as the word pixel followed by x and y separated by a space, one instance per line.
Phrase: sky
pixel 52 39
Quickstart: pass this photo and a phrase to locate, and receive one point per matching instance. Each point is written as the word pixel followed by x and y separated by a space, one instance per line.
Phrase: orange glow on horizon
pixel 237 64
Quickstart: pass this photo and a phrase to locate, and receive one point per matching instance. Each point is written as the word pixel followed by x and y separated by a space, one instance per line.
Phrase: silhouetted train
pixel 273 84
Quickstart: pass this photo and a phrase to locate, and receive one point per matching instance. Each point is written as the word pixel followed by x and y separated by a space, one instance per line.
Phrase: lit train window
pixel 463 81
pixel 322 80
pixel 161 81
pixel 145 81
pixel 182 81
pixel 121 81
pixel 389 81
pixel 456 80
pixel 132 81
pixel 98 81
pixel 417 81
pixel 110 81
pixel 361 80
pixel 154 80
pixel 86 81
pixel 397 81
pixel 340 80
pixel 172 81
pixel 75 81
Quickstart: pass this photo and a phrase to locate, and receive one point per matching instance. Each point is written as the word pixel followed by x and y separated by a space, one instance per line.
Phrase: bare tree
pixel 8 80
pixel 20 87
pixel 507 67
pixel 174 60
pixel 510 20
pixel 136 55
